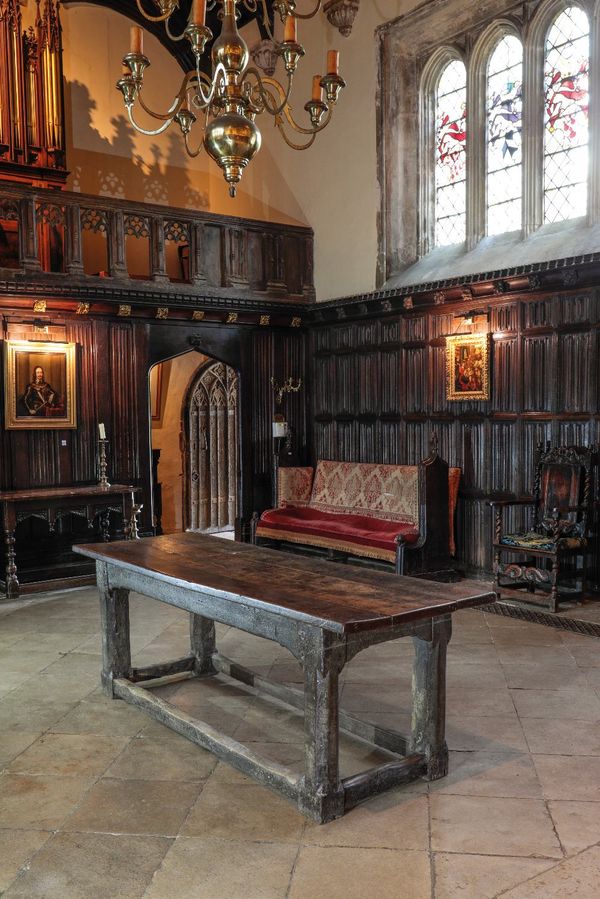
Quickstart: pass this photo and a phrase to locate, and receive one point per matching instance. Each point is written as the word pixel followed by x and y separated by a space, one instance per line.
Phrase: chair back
pixel 564 480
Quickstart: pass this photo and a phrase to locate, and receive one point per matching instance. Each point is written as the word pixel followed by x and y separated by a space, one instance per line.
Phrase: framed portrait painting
pixel 467 366
pixel 39 385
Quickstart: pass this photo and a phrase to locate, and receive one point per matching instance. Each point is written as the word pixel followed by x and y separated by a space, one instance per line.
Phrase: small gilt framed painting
pixel 467 367
pixel 39 385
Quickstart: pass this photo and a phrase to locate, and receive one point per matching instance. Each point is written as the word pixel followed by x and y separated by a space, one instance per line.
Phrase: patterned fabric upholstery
pixel 389 492
pixel 294 485
pixel 533 540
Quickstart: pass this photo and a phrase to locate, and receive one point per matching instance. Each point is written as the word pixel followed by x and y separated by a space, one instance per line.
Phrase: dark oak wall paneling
pixel 380 391
pixel 113 361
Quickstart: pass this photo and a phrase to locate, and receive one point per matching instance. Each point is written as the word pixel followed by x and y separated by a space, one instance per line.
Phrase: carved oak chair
pixel 558 544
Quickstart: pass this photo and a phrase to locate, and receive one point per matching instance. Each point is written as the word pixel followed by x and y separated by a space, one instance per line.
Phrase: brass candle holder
pixel 103 464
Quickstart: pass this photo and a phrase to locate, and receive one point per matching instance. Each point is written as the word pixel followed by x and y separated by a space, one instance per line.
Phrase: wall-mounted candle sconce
pixel 470 316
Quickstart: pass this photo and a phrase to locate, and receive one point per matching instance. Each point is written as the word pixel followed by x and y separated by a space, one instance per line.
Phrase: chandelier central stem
pixel 235 94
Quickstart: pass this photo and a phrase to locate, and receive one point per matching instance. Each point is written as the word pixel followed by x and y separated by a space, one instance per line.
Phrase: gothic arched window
pixel 504 111
pixel 450 154
pixel 566 99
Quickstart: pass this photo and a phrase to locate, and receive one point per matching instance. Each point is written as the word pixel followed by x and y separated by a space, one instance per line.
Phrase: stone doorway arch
pixel 212 449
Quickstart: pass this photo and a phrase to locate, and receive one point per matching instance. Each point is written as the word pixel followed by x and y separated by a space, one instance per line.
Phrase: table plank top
pixel 47 493
pixel 338 597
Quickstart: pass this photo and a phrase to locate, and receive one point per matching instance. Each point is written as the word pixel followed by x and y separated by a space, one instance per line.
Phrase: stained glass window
pixel 566 116
pixel 450 155
pixel 504 123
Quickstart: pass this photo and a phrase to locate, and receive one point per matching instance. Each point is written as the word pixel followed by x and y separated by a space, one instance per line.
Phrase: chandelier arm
pixel 150 18
pixel 266 96
pixel 150 133
pixel 175 106
pixel 220 72
pixel 287 112
pixel 310 15
pixel 174 37
pixel 281 126
pixel 190 152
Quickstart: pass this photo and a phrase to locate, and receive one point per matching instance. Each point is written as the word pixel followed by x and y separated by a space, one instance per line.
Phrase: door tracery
pixel 212 449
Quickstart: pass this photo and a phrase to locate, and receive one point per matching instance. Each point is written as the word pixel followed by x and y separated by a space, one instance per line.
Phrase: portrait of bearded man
pixel 39 396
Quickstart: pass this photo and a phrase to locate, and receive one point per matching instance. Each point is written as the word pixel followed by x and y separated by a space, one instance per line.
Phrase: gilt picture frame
pixel 39 385
pixel 467 367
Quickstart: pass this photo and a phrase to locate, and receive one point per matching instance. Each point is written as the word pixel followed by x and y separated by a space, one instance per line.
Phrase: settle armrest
pixel 562 510
pixel 294 485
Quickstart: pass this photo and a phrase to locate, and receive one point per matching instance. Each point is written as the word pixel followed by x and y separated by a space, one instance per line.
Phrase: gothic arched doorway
pixel 212 454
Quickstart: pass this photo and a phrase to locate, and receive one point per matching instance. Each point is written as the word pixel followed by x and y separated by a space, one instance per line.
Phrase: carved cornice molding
pixel 579 273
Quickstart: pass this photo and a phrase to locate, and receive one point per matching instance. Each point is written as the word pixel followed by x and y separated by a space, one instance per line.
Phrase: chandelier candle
pixel 229 101
pixel 137 40
pixel 290 32
pixel 333 62
pixel 198 12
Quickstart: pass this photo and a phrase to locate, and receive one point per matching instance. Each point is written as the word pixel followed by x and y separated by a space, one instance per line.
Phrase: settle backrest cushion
pixel 376 491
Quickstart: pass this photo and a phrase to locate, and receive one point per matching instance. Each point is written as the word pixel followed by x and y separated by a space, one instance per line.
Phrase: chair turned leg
pixel 553 604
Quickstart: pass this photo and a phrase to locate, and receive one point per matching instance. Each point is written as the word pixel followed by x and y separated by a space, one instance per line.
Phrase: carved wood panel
pixel 379 391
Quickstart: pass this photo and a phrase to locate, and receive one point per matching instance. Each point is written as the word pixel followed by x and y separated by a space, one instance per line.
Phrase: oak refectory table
pixel 324 613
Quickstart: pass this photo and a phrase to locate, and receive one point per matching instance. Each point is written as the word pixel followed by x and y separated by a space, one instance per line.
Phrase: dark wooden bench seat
pixel 397 514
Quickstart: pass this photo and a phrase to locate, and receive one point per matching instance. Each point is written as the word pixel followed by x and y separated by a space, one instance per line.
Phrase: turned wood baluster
pixel 73 241
pixel 197 274
pixel 157 250
pixel 28 236
pixel 117 265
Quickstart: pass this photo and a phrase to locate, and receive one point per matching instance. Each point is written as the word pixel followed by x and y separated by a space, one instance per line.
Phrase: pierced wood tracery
pixel 213 449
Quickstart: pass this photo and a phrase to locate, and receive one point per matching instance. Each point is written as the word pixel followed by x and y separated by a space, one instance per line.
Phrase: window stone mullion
pixel 476 152
pixel 594 121
pixel 533 134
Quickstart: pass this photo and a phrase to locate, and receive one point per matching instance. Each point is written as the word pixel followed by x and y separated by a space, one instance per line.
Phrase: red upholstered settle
pixel 352 533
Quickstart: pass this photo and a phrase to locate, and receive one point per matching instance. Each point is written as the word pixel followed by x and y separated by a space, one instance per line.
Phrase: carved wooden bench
pixel 324 614
pixel 401 514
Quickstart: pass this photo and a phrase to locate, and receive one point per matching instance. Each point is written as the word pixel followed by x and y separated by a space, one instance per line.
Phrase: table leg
pixel 114 613
pixel 429 697
pixel 320 792
pixel 202 642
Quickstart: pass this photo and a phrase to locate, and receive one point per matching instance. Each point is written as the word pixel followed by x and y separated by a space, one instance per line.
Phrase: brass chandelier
pixel 237 92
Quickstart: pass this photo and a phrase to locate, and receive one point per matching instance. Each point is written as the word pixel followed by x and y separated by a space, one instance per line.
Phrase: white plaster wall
pixel 331 187
pixel 335 182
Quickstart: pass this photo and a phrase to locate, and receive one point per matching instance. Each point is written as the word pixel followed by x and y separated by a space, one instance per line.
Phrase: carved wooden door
pixel 212 426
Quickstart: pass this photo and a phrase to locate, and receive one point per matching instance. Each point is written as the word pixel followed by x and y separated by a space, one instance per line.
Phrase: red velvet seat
pixel 358 534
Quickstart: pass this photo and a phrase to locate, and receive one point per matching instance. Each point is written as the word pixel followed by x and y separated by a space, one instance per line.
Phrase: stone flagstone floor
pixel 99 802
